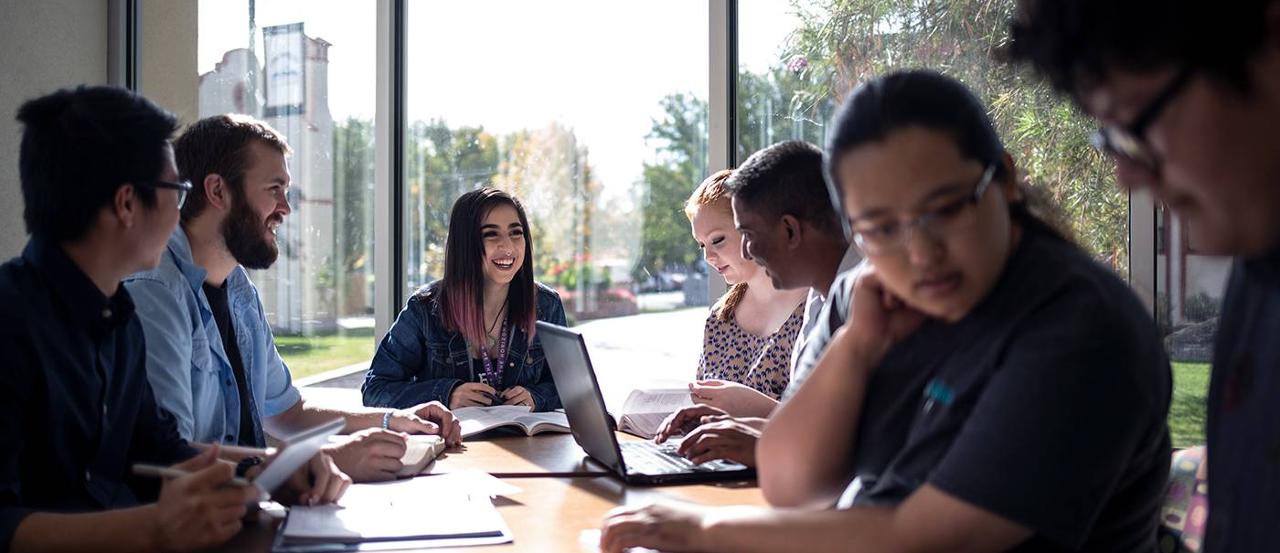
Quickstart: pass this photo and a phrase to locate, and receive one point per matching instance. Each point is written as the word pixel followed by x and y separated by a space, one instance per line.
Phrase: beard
pixel 243 231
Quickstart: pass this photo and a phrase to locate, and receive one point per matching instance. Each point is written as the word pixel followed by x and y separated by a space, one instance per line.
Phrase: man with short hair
pixel 100 195
pixel 789 227
pixel 211 355
pixel 1188 93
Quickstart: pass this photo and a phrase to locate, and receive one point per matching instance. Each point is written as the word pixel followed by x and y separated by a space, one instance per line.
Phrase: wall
pixel 44 45
pixel 167 56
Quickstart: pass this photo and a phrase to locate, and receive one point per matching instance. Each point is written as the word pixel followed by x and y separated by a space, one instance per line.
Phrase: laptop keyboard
pixel 651 458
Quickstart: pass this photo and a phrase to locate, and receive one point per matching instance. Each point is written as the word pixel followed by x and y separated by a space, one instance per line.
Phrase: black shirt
pixel 1243 429
pixel 76 410
pixel 222 316
pixel 1045 405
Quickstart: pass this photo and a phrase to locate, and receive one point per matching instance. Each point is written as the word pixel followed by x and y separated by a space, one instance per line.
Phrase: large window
pixel 595 116
pixel 304 66
pixel 799 58
pixel 1189 289
pixel 598 119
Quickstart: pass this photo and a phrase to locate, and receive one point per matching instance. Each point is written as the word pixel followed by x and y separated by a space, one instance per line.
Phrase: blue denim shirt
pixel 186 363
pixel 418 360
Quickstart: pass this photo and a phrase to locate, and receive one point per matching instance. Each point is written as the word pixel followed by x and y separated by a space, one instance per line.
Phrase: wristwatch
pixel 247 463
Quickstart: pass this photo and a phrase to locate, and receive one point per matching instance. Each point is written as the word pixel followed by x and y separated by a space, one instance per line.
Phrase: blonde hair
pixel 713 193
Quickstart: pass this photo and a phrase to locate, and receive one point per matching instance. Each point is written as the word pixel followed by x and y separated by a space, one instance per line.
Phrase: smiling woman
pixel 468 338
pixel 750 331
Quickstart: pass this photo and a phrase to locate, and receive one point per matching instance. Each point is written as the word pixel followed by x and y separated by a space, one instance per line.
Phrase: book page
pixel 544 422
pixel 475 420
pixel 420 450
pixel 664 401
pixel 644 425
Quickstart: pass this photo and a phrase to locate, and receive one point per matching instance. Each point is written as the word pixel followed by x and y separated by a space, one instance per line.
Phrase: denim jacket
pixel 419 360
pixel 186 363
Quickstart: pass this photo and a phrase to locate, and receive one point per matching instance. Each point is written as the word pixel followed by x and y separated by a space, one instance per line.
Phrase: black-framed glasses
pixel 1130 141
pixel 183 188
pixel 892 236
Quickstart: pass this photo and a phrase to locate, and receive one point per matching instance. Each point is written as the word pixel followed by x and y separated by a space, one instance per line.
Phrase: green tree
pixel 680 139
pixel 441 163
pixel 840 43
pixel 353 214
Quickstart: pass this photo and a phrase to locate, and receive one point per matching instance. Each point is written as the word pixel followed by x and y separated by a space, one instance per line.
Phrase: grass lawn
pixel 1186 412
pixel 308 355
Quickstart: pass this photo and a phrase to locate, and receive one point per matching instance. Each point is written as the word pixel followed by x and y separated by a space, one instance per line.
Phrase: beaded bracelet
pixel 386 420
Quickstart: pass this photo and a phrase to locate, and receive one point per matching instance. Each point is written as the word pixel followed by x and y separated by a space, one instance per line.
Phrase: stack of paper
pixel 431 511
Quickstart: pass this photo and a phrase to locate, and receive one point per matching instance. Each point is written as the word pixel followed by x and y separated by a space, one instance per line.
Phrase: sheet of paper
pixel 476 483
pixel 425 507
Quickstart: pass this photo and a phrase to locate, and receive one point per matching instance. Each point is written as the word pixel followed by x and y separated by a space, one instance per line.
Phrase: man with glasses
pixel 76 412
pixel 211 356
pixel 1189 96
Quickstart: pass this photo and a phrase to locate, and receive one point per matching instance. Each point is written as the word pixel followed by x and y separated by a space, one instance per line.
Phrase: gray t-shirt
pixel 1045 405
pixel 1243 430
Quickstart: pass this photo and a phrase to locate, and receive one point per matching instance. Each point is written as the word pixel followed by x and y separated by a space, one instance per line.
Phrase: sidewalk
pixel 637 351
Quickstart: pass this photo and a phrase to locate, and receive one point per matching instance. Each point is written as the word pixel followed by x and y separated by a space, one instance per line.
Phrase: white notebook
pixel 431 511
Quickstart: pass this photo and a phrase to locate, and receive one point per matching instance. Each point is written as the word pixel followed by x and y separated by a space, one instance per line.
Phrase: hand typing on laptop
pixel 711 434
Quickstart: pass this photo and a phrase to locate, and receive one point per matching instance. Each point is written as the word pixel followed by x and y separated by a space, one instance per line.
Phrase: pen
pixel 238 450
pixel 143 469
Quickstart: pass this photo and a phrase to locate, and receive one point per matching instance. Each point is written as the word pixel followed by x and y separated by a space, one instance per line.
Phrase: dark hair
pixel 1074 43
pixel 786 179
pixel 461 290
pixel 928 100
pixel 78 147
pixel 220 145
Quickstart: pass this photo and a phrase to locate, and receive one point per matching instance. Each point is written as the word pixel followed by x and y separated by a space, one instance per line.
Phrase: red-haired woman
pixel 468 338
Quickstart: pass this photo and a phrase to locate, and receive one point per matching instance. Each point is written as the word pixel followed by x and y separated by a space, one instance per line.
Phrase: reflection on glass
pixel 600 129
pixel 799 57
pixel 1189 290
pixel 273 59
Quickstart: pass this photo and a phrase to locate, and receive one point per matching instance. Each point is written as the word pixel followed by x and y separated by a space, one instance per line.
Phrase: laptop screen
pixel 580 394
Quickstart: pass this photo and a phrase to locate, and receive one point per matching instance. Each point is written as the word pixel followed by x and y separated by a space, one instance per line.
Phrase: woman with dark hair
pixel 994 388
pixel 468 339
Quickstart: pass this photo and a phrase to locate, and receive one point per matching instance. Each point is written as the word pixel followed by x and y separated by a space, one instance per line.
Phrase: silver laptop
pixel 593 428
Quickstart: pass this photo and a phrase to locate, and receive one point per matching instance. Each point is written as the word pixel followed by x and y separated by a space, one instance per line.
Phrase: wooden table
pixel 556 514
pixel 563 500
pixel 548 454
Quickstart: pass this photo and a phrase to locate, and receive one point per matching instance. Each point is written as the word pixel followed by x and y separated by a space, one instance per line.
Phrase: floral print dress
pixel 731 353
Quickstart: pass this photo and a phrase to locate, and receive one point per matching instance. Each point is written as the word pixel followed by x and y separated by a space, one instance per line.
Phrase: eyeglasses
pixel 1129 141
pixel 183 188
pixel 892 236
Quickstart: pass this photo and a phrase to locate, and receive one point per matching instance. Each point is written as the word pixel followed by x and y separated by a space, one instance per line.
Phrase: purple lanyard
pixel 492 375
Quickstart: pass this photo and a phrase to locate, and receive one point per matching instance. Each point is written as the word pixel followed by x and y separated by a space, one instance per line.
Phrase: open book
pixel 420 450
pixel 644 410
pixel 475 420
